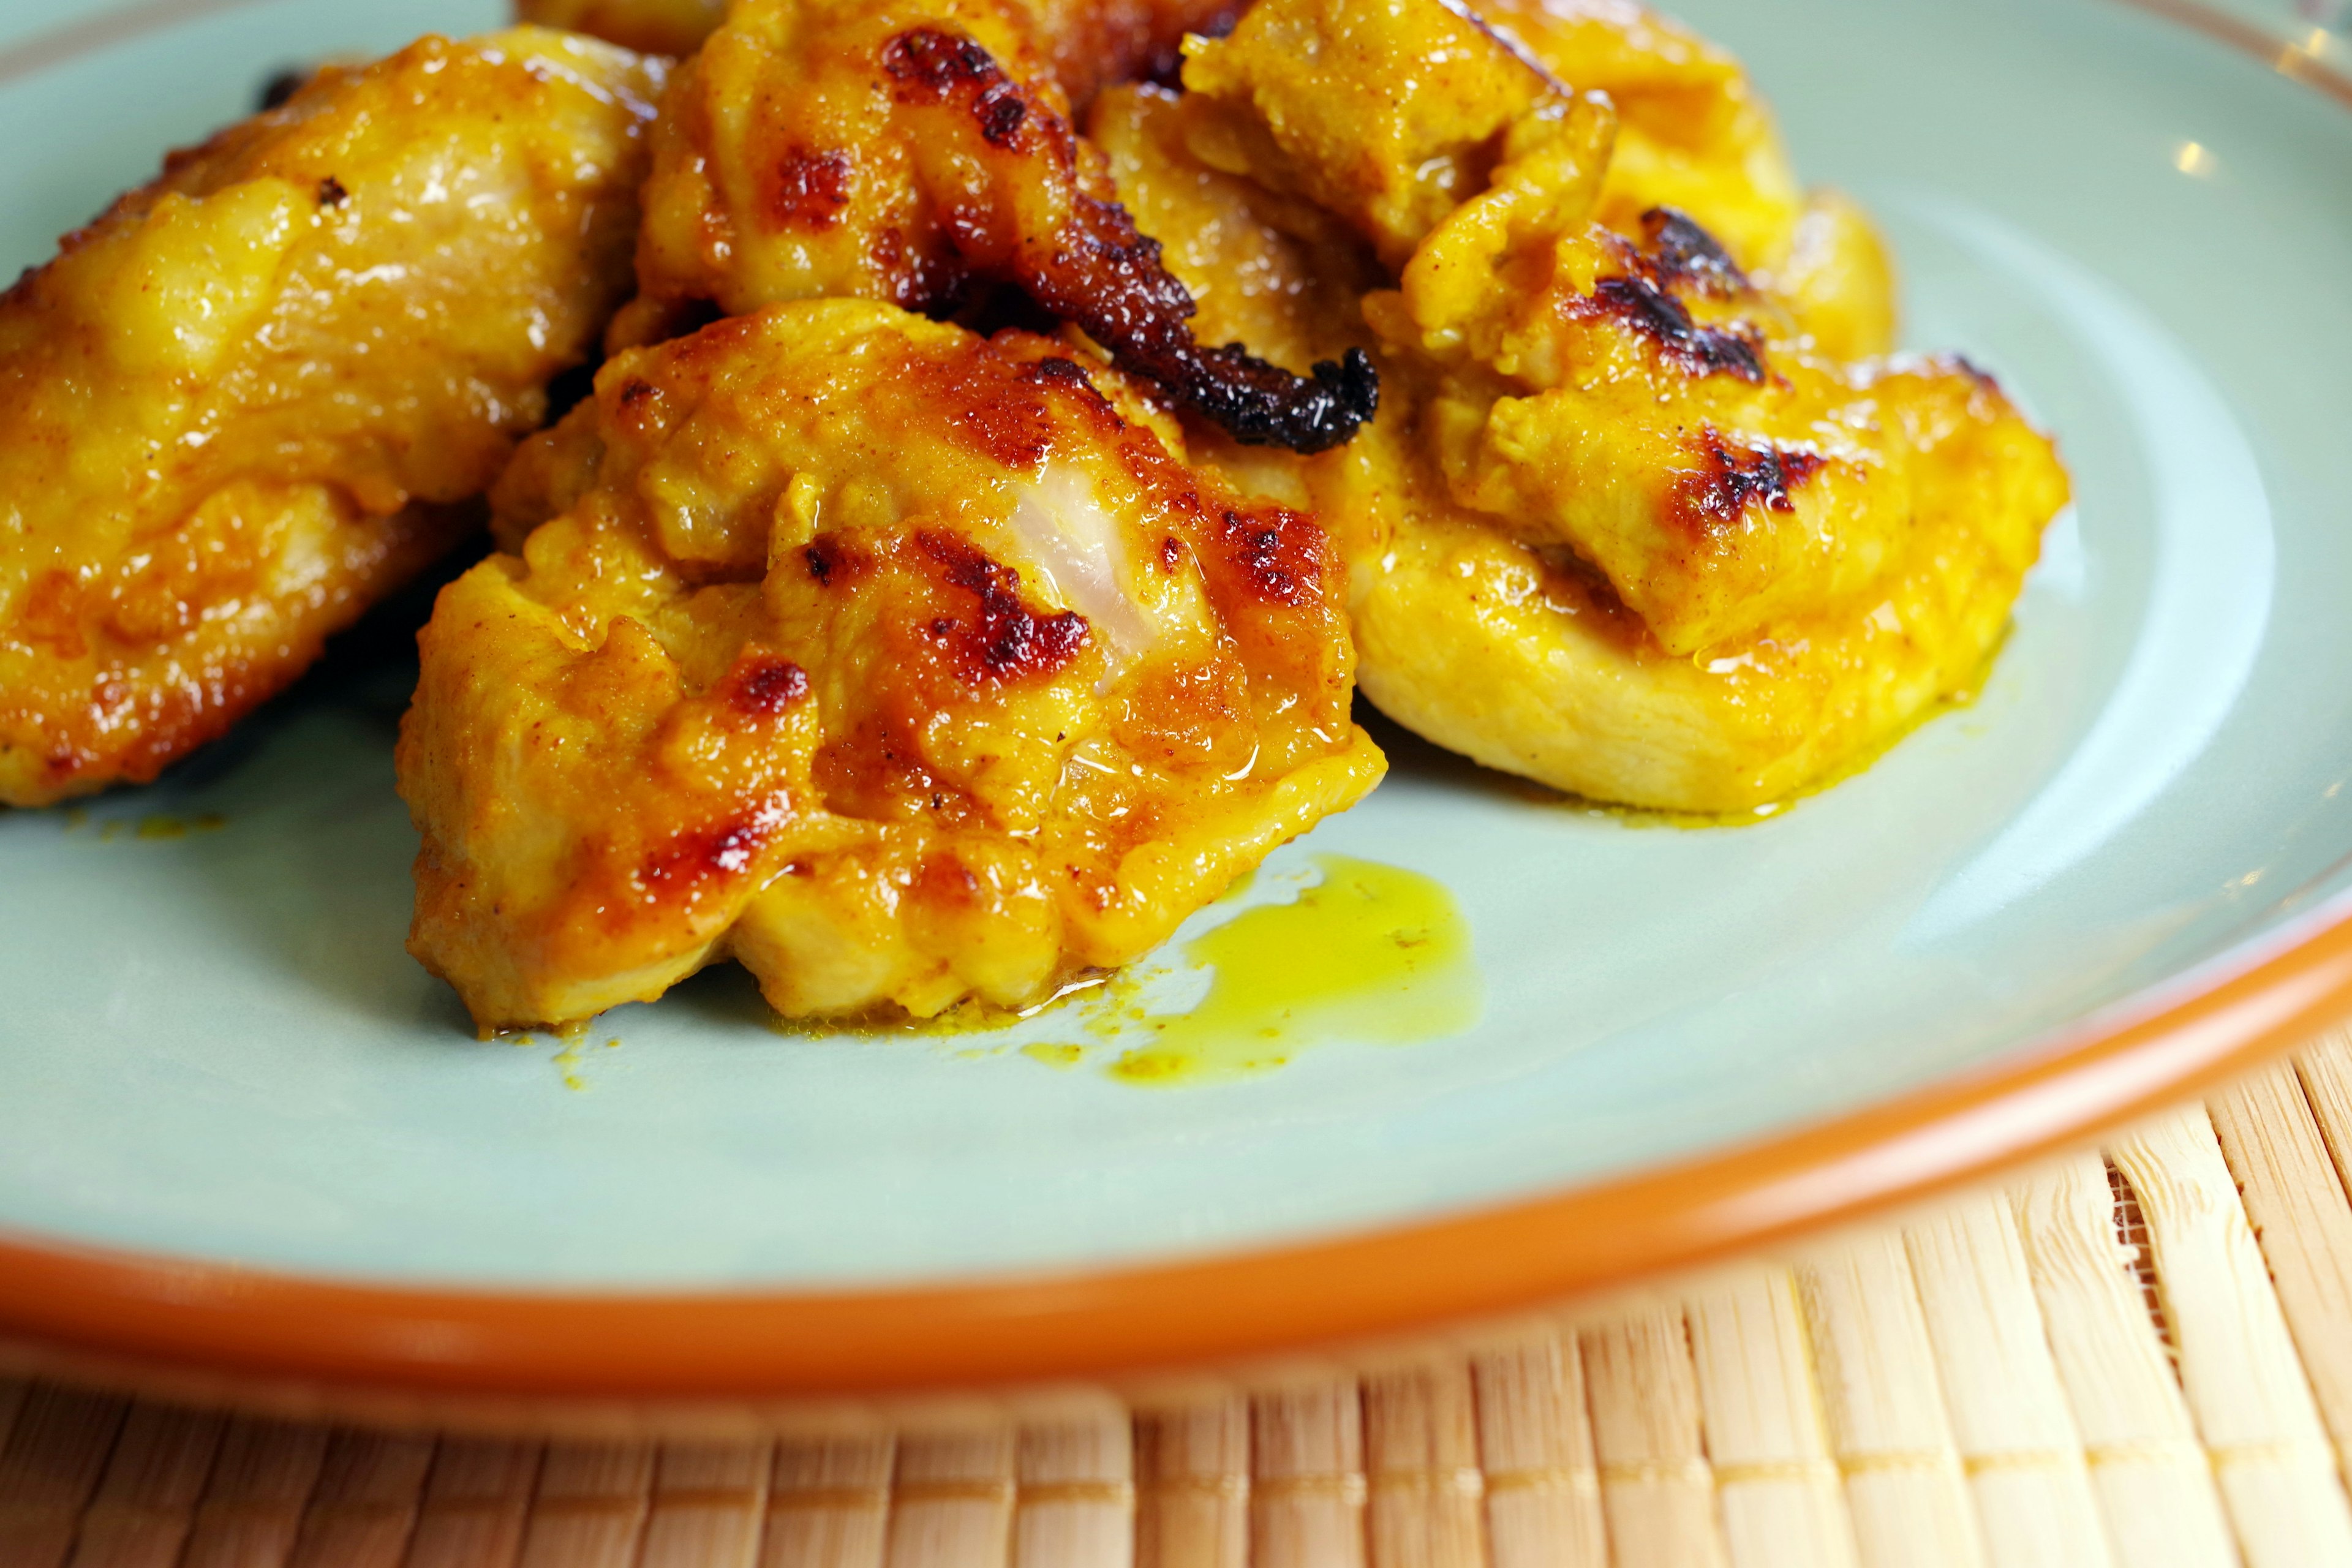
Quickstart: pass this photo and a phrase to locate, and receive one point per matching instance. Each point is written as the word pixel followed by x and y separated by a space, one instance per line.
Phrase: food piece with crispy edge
pixel 921 154
pixel 243 404
pixel 903 664
pixel 1624 528
pixel 1693 134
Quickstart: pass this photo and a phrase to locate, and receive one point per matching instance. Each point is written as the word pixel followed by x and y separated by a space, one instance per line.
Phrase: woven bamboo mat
pixel 2141 1359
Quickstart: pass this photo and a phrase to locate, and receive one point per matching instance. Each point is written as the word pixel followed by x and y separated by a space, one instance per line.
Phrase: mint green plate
pixel 214 1047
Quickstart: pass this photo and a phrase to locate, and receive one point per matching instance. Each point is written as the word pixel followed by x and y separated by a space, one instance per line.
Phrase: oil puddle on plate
pixel 1370 954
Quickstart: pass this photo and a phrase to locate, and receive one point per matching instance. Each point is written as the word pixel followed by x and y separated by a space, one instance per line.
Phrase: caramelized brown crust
pixel 244 403
pixel 916 151
pixel 1626 526
pixel 901 663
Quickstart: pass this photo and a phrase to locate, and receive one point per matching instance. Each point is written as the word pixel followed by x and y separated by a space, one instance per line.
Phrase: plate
pixel 239 1128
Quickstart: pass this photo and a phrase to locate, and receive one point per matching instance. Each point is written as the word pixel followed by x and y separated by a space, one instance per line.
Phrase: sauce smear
pixel 1370 954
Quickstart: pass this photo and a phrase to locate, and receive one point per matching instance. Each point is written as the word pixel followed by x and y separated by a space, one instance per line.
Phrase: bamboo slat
pixel 1307 1488
pixel 2325 1075
pixel 1777 1488
pixel 1074 1503
pixel 1535 1445
pixel 829 1503
pixel 146 1503
pixel 2156 1491
pixel 364 1504
pixel 1421 1455
pixel 709 1505
pixel 1657 1490
pixel 590 1508
pixel 253 1505
pixel 475 1505
pixel 1885 1409
pixel 2325 1068
pixel 951 1502
pixel 2019 1444
pixel 13 1391
pixel 1193 1481
pixel 57 1449
pixel 2253 1406
pixel 2143 1359
pixel 2295 1202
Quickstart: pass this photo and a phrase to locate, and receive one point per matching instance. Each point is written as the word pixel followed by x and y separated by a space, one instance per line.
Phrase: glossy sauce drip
pixel 1372 955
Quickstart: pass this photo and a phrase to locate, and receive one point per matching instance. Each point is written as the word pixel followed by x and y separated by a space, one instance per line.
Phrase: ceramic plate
pixel 239 1126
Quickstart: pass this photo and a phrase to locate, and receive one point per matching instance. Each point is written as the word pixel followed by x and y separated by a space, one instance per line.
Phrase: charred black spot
pixel 1171 553
pixel 824 560
pixel 1101 275
pixel 1069 372
pixel 1649 310
pixel 1000 118
pixel 1069 375
pixel 1109 280
pixel 936 65
pixel 1005 639
pixel 1733 477
pixel 1261 405
pixel 937 61
pixel 331 193
pixel 1686 254
pixel 635 392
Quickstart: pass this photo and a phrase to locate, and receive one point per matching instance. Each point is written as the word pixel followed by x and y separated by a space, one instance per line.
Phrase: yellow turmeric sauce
pixel 1370 954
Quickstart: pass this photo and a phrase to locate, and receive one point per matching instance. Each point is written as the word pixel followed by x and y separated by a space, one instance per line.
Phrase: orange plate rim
pixel 2189 1033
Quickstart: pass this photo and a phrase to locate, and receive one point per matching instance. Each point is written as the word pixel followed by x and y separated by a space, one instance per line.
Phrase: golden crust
pixel 797 158
pixel 244 402
pixel 1625 523
pixel 921 152
pixel 896 662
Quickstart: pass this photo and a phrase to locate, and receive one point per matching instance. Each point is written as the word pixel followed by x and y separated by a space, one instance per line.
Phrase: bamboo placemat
pixel 2139 1359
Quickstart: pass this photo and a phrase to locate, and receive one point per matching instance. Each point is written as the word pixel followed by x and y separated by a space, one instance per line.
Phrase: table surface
pixel 2136 1357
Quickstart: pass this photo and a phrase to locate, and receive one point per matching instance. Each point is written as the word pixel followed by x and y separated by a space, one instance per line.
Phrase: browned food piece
pixel 238 408
pixel 1693 134
pixel 903 664
pixel 1626 525
pixel 918 153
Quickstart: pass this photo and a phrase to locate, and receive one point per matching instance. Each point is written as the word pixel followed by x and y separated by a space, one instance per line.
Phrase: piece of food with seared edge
pixel 922 153
pixel 903 664
pixel 250 399
pixel 1628 523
